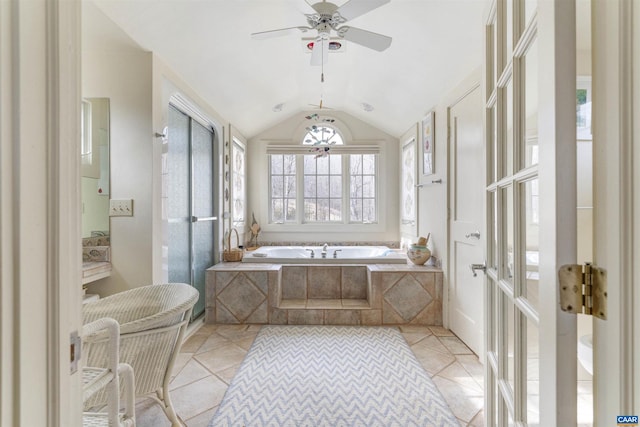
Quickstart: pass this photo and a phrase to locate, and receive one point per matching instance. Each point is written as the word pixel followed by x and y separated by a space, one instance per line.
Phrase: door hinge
pixel 583 289
pixel 75 349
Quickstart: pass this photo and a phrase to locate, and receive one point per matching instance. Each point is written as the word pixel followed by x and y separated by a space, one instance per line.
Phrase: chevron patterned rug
pixel 331 376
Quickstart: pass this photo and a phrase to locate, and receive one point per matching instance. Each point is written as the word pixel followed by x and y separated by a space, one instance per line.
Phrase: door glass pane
pixel 492 312
pixel 491 58
pixel 202 158
pixel 178 198
pixel 493 143
pixel 510 341
pixel 508 27
pixel 179 252
pixel 493 232
pixel 507 161
pixel 203 258
pixel 508 261
pixel 533 375
pixel 178 165
pixel 532 214
pixel 530 67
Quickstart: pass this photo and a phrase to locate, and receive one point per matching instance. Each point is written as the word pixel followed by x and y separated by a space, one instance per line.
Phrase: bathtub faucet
pixel 324 250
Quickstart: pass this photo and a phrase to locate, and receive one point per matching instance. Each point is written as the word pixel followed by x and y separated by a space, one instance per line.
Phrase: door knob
pixel 475 267
pixel 475 234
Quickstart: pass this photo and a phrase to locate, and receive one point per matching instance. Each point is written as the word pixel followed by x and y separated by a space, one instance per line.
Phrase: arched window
pixel 322 135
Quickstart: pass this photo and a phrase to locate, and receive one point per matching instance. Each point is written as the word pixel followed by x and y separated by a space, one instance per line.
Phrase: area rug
pixel 331 376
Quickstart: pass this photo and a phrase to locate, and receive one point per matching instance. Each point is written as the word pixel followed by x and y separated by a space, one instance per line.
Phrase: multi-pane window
pixel 322 188
pixel 337 188
pixel 283 188
pixel 362 187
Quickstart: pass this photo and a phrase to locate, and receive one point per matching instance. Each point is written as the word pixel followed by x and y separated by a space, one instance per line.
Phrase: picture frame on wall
pixel 428 143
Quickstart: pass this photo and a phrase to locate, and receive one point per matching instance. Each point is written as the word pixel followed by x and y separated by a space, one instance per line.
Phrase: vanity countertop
pixel 95 270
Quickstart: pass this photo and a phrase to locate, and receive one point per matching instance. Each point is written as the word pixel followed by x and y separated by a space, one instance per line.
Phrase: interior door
pixel 466 222
pixel 190 202
pixel 530 116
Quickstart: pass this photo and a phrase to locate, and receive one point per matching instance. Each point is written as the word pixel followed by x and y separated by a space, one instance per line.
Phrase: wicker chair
pixel 107 379
pixel 153 320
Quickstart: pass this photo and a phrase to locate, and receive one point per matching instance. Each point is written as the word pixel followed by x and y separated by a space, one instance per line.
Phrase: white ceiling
pixel 436 44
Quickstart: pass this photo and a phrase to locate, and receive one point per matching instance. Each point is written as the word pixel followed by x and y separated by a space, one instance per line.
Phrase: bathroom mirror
pixel 95 167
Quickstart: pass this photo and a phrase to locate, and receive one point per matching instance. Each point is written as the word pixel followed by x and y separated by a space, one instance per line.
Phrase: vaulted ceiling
pixel 436 44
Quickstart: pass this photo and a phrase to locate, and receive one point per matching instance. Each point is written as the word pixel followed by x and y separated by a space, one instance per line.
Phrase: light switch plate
pixel 121 207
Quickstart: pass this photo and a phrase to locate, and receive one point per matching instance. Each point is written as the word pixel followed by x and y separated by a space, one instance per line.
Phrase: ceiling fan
pixel 329 16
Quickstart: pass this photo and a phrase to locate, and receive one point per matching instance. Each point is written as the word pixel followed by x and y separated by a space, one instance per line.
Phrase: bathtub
pixel 344 255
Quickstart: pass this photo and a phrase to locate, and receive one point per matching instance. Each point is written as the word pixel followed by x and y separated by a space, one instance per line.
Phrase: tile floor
pixel 210 357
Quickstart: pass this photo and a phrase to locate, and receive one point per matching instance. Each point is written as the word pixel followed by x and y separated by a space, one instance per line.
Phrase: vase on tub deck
pixel 418 254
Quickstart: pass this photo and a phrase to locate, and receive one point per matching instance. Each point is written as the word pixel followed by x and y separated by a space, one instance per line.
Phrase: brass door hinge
pixel 583 287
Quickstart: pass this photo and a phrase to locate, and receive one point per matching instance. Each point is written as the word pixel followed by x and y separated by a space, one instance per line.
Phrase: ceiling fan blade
pixel 320 52
pixel 365 38
pixel 354 8
pixel 277 33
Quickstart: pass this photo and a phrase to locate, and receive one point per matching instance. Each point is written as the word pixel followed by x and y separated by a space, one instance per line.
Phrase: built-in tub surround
pixel 325 254
pixel 374 294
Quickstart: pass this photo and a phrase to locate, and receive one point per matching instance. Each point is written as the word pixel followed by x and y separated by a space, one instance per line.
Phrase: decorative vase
pixel 418 254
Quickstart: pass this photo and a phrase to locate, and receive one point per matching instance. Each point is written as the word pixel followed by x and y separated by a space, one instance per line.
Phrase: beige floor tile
pixel 454 345
pixel 181 361
pixel 221 358
pixel 478 420
pixel 197 397
pixel 414 337
pixel 440 331
pixel 193 343
pixel 212 342
pixel 455 372
pixel 227 375
pixel 193 371
pixel 473 366
pixel 150 414
pixel 226 330
pixel 432 343
pixel 464 402
pixel 433 361
pixel 245 343
pixel 415 329
pixel 203 419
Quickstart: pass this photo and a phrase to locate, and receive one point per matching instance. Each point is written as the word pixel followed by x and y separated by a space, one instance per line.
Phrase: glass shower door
pixel 190 206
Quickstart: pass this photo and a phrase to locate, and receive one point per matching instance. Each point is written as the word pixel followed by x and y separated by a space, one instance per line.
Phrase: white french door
pixel 530 195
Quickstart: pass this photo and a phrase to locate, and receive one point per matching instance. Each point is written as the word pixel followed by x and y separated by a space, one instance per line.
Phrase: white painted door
pixel 530 191
pixel 466 218
pixel 616 184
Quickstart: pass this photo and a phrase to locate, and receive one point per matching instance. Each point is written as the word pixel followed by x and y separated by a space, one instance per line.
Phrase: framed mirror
pixel 95 171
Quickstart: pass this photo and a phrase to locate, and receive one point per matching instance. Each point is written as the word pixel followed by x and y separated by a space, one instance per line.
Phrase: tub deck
pixel 336 294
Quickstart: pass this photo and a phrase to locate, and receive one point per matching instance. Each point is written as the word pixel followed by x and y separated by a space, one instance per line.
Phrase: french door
pixel 530 195
pixel 190 202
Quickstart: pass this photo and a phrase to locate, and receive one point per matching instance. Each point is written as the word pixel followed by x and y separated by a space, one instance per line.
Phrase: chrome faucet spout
pixel 324 247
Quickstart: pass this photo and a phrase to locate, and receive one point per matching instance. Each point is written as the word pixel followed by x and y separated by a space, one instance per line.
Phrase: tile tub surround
pixel 376 294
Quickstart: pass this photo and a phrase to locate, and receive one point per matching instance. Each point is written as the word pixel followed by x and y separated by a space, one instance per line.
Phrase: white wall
pixel 356 132
pixel 124 76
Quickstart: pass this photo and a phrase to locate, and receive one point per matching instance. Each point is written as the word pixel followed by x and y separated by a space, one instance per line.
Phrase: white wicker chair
pixel 107 379
pixel 153 320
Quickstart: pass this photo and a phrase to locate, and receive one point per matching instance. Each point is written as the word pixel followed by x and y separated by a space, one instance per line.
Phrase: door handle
pixel 475 267
pixel 475 234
